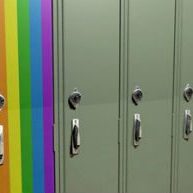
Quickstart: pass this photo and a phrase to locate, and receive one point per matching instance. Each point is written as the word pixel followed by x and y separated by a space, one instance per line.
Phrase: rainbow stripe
pixel 26 80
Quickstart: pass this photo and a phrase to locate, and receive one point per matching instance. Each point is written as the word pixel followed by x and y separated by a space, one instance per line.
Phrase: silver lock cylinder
pixel 2 102
pixel 74 99
pixel 137 95
pixel 188 92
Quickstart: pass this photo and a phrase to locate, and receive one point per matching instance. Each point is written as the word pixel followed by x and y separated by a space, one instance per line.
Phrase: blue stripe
pixel 37 96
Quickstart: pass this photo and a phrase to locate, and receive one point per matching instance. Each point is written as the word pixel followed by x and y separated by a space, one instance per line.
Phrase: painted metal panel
pixel 185 67
pixel 91 64
pixel 27 84
pixel 4 170
pixel 150 61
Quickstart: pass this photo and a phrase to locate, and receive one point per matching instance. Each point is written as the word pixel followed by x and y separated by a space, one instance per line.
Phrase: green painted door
pixel 91 64
pixel 150 61
pixel 185 31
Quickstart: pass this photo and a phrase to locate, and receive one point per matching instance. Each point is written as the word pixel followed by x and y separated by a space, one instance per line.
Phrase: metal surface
pixel 150 65
pixel 184 67
pixel 58 96
pixel 88 46
pixel 26 83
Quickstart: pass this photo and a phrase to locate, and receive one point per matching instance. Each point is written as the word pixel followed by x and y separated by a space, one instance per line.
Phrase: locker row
pixel 131 63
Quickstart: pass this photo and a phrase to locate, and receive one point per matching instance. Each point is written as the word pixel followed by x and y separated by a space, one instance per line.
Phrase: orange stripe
pixel 4 169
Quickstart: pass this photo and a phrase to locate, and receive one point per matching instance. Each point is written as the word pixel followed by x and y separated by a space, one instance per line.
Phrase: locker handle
pixel 187 124
pixel 75 137
pixel 1 145
pixel 137 130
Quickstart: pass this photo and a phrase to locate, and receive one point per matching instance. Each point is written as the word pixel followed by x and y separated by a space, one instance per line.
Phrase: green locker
pixel 184 84
pixel 89 72
pixel 150 69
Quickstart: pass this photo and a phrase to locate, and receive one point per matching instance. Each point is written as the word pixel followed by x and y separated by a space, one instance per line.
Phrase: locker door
pixel 26 97
pixel 185 139
pixel 91 72
pixel 150 82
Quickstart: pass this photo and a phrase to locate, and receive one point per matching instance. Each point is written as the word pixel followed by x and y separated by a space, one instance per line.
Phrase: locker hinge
pixel 55 141
pixel 119 131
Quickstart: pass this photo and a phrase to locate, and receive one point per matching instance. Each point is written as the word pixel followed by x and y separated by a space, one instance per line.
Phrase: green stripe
pixel 25 94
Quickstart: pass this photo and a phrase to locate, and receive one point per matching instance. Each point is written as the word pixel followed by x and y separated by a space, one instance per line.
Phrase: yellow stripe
pixel 13 95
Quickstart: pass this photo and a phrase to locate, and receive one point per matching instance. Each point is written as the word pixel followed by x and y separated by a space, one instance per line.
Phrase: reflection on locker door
pixel 150 83
pixel 26 97
pixel 91 77
pixel 184 126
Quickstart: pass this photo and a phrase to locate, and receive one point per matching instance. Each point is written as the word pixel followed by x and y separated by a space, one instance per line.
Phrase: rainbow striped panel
pixel 26 80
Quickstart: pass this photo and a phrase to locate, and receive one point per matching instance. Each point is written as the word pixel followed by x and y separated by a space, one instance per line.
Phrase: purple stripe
pixel 48 94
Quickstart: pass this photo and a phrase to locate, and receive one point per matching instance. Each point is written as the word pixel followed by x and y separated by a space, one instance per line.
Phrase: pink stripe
pixel 48 94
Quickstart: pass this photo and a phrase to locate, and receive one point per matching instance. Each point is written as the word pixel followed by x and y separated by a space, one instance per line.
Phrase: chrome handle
pixel 75 137
pixel 1 145
pixel 137 130
pixel 187 124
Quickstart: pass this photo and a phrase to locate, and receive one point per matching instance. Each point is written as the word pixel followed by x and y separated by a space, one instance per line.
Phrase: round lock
pixel 2 102
pixel 74 99
pixel 188 92
pixel 137 95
